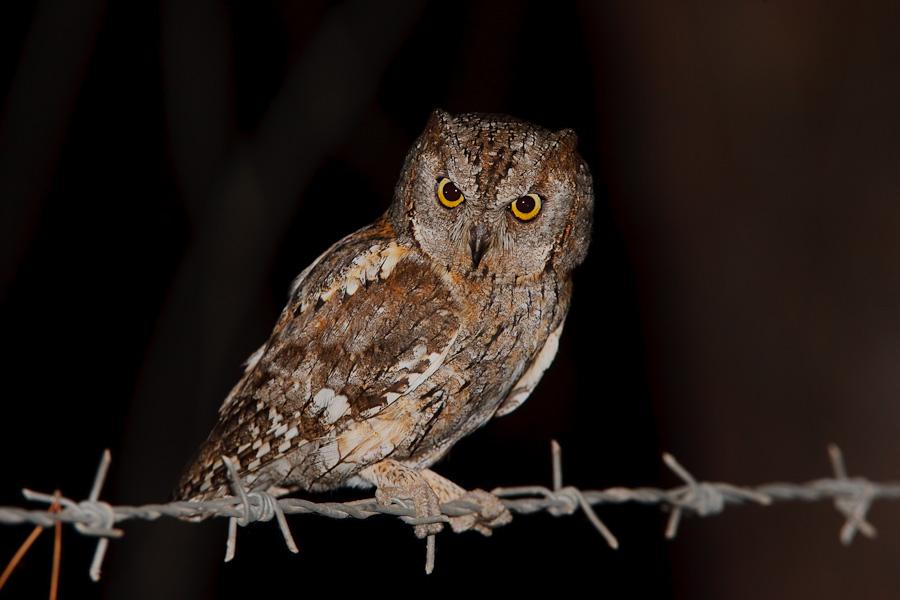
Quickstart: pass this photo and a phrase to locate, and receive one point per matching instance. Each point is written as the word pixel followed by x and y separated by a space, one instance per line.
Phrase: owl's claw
pixel 399 484
pixel 491 513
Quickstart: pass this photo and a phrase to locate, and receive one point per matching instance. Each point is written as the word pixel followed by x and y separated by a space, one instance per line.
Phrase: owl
pixel 409 334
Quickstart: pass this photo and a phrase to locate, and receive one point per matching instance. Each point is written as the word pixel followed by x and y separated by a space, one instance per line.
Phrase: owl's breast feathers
pixel 376 355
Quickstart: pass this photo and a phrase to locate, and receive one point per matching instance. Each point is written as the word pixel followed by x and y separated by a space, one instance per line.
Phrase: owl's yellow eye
pixel 449 194
pixel 527 207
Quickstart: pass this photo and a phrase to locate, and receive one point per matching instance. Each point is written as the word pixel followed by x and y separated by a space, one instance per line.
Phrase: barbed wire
pixel 852 497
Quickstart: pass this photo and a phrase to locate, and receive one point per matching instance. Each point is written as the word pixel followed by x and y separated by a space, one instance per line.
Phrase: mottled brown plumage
pixel 412 332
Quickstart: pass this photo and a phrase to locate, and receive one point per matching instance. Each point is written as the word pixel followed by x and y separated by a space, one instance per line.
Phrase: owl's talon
pixel 396 483
pixel 491 514
pixel 423 531
pixel 389 500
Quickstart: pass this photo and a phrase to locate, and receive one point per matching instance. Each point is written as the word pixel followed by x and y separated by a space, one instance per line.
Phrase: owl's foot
pixel 491 512
pixel 397 483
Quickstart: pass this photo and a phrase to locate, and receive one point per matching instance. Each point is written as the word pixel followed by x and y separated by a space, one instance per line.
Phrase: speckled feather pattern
pixel 394 345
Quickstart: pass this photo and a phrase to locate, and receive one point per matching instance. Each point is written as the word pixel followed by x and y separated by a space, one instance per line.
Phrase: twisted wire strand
pixel 852 497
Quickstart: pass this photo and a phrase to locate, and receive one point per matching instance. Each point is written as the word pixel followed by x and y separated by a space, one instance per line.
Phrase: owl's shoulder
pixel 353 256
pixel 369 298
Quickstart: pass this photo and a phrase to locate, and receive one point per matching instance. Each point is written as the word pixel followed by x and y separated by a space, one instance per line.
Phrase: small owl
pixel 409 334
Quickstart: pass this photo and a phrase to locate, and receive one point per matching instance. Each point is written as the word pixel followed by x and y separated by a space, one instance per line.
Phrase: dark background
pixel 167 168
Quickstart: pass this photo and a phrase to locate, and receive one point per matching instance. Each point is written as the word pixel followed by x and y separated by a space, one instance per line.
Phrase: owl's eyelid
pixel 505 204
pixel 446 176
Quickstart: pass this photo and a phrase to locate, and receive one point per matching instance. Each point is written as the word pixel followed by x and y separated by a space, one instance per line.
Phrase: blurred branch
pixel 851 496
pixel 35 115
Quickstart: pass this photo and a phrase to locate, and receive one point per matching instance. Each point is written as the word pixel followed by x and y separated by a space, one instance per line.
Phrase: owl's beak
pixel 479 242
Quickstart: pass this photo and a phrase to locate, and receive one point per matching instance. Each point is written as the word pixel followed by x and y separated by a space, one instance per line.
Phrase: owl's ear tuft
pixel 438 120
pixel 567 139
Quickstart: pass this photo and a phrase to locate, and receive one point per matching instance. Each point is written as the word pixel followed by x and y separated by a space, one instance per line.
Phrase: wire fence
pixel 852 497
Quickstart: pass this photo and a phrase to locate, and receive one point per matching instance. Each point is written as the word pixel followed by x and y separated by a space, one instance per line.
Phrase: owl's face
pixel 488 195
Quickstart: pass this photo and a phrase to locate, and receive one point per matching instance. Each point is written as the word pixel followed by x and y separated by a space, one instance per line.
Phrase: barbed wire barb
pixel 265 507
pixel 99 517
pixel 575 493
pixel 855 506
pixel 430 543
pixel 701 497
pixel 852 497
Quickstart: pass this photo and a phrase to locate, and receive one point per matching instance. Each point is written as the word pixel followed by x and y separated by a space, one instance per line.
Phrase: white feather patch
pixel 328 453
pixel 336 409
pixel 253 359
pixel 248 366
pixel 295 285
pixel 373 439
pixel 435 360
pixel 379 261
pixel 418 352
pixel 320 401
pixel 392 255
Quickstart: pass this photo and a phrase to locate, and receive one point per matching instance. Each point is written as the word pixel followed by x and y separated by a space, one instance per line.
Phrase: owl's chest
pixel 502 330
pixel 503 326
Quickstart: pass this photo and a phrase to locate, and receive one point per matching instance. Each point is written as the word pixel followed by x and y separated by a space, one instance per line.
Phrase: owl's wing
pixel 367 325
pixel 301 285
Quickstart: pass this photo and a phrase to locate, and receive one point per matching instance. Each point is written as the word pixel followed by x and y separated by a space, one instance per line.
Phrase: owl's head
pixel 487 194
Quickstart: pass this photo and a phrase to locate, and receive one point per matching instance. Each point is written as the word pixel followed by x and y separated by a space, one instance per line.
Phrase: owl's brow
pixel 479 151
pixel 545 153
pixel 453 138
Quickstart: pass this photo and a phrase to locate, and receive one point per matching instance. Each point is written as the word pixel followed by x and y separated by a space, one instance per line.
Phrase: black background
pixel 167 168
